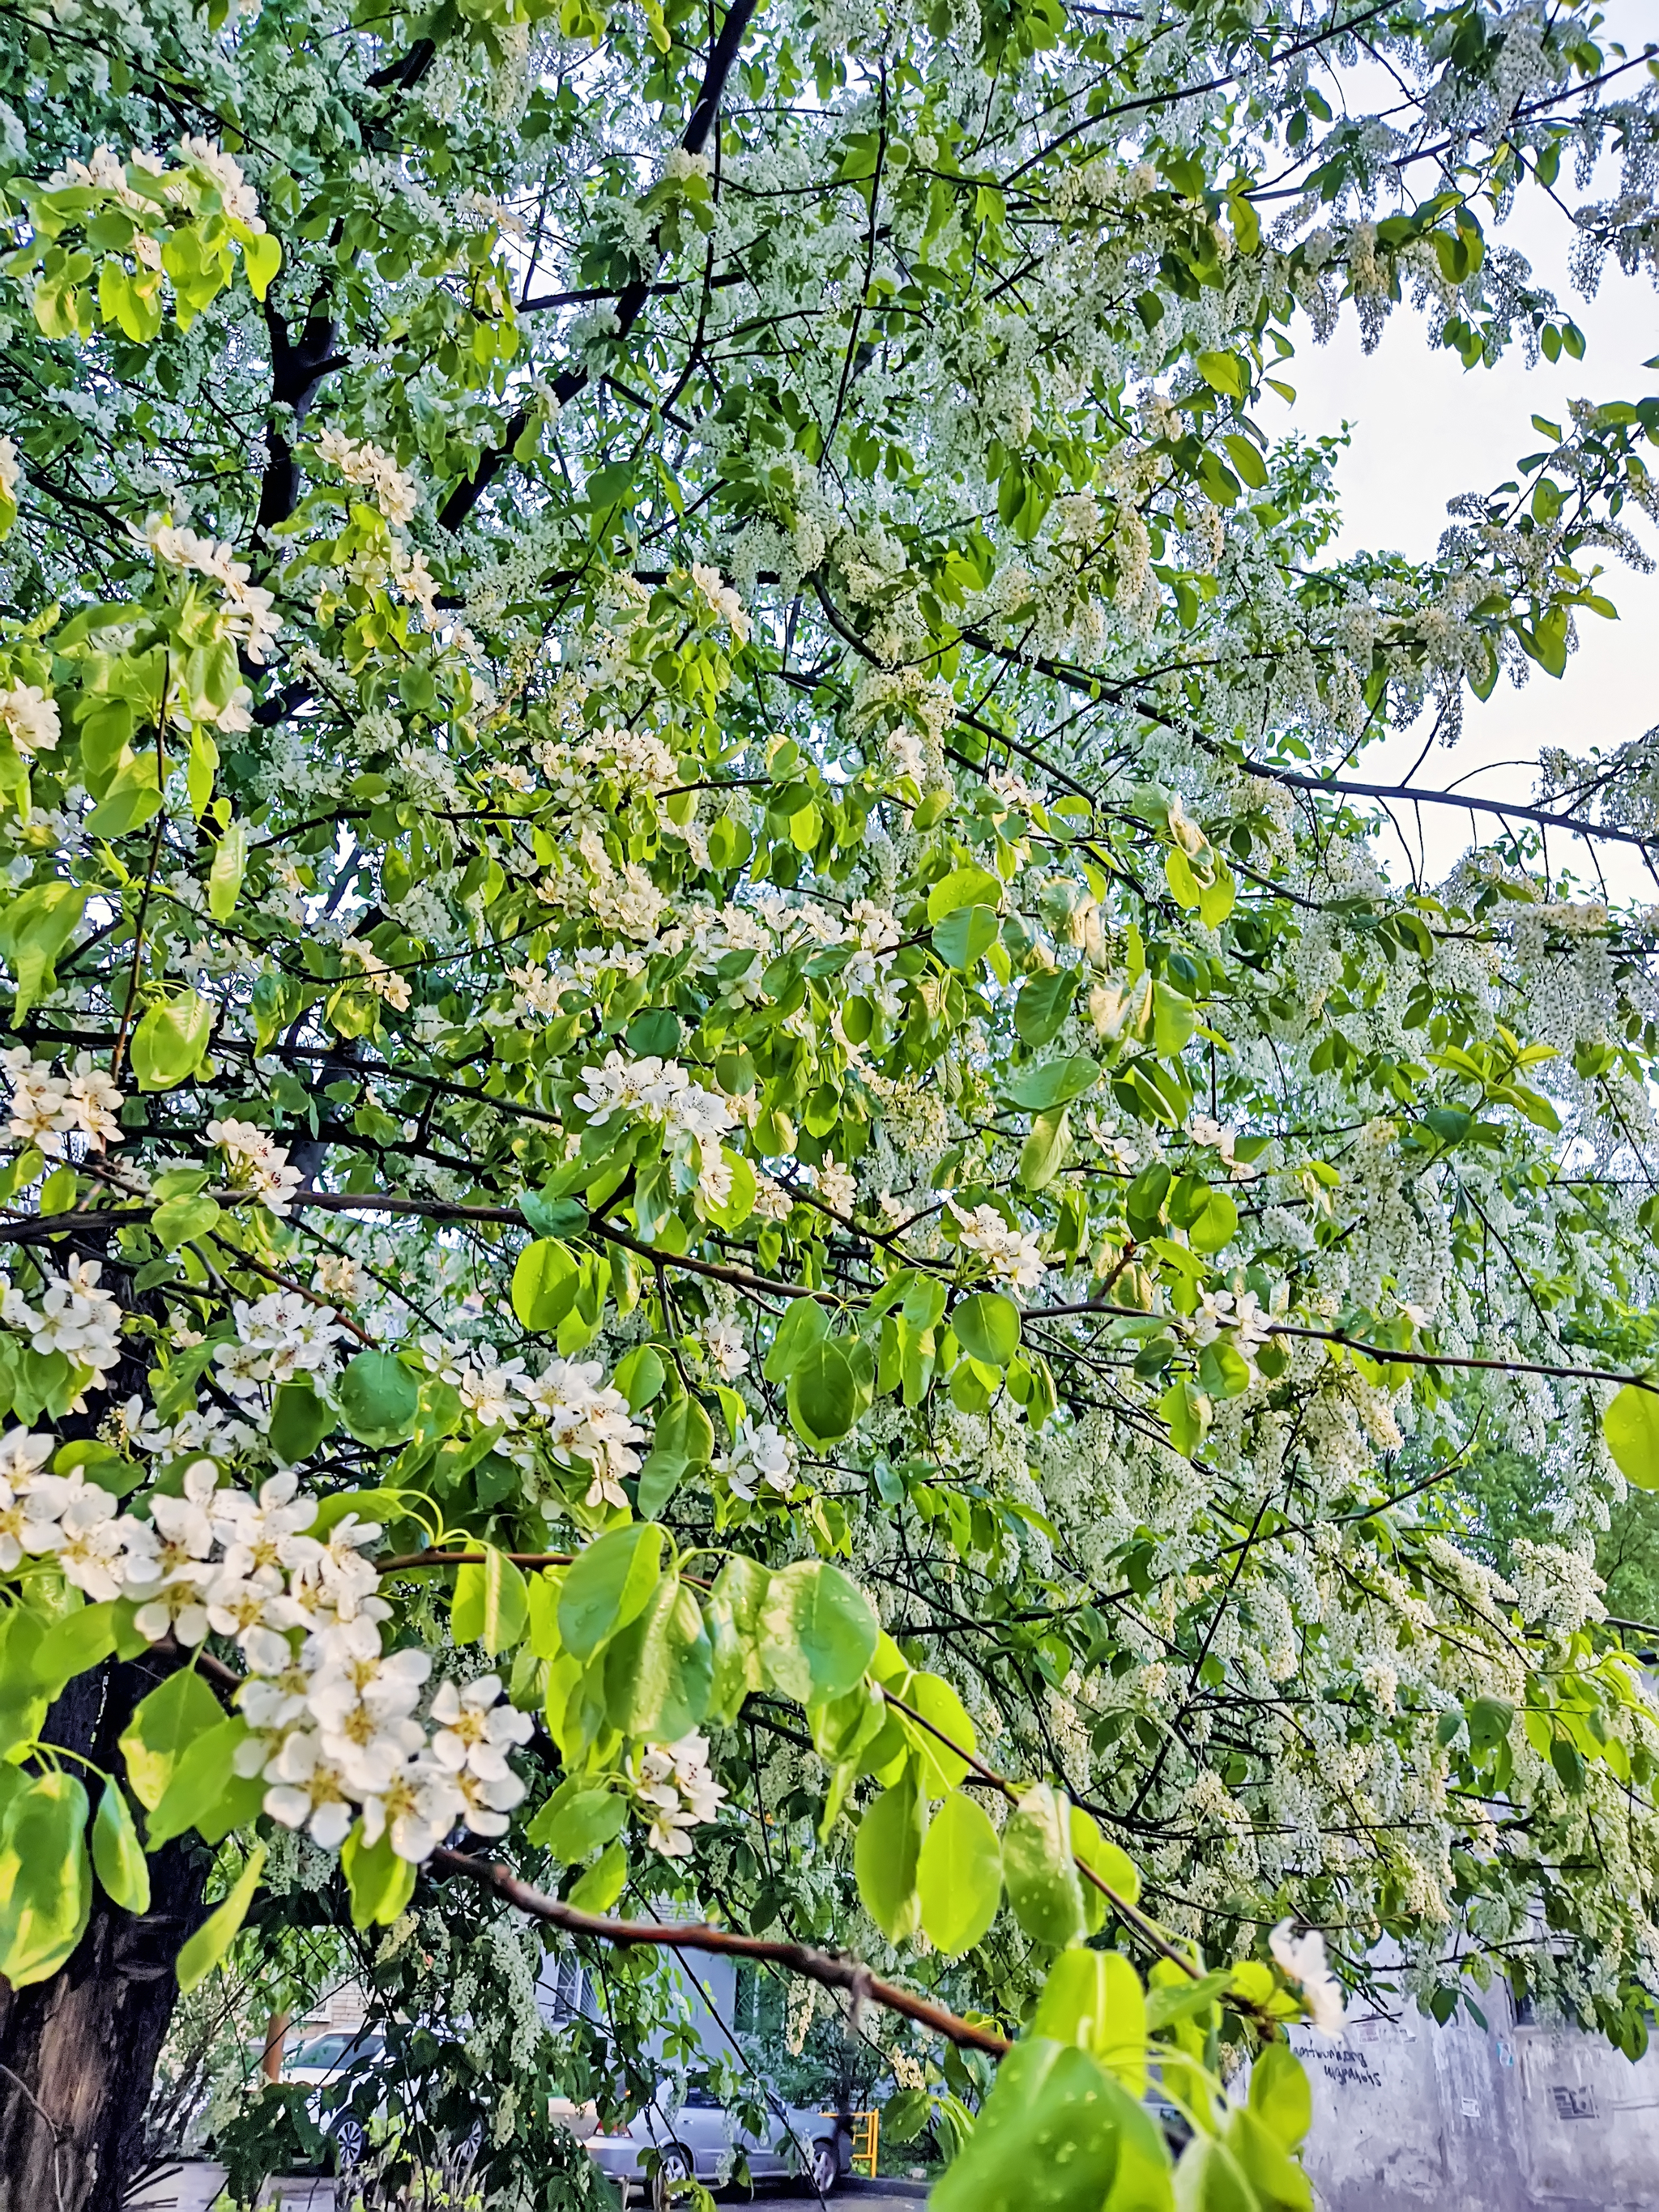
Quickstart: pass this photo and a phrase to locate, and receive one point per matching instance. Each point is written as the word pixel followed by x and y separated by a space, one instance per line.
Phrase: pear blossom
pixel 1011 1254
pixel 29 717
pixel 760 1454
pixel 1301 1959
pixel 309 1791
pixel 257 1163
pixel 472 1730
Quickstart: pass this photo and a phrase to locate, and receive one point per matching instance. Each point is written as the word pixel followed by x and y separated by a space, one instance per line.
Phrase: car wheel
pixel 823 2166
pixel 350 2142
pixel 675 2167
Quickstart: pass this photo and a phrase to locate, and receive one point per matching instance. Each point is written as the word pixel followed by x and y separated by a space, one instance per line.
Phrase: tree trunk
pixel 78 2053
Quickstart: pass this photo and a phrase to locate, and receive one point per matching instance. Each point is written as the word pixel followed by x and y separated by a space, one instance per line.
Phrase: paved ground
pixel 192 2188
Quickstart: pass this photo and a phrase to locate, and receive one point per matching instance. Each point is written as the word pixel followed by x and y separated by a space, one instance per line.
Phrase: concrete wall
pixel 1409 2116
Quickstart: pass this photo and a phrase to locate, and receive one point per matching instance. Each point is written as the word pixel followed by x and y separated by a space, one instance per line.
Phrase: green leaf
pixel 659 1670
pixel 684 1439
pixel 229 865
pixel 1489 1721
pixel 1051 2137
pixel 1216 1226
pixel 379 1399
pixel 639 1376
pixel 963 887
pixel 162 1728
pixel 1056 1083
pixel 299 1422
pixel 544 1284
pixel 942 1768
pixel 607 1585
pixel 804 1325
pixel 262 256
pixel 823 1395
pixel 180 1220
pixel 130 798
pixel 1115 1867
pixel 576 1819
pixel 734 1614
pixel 1224 373
pixel 817 1631
pixel 886 1855
pixel 116 1853
pixel 1631 1426
pixel 963 938
pixel 1278 2181
pixel 170 1040
pixel 1043 1887
pixel 379 1883
pixel 1046 1151
pixel 46 1878
pixel 1043 1004
pixel 602 1885
pixel 34 927
pixel 205 1790
pixel 987 1327
pixel 959 1876
pixel 1095 1999
pixel 553 1217
pixel 1280 2097
pixel 209 1945
pixel 492 1604
pixel 81 1640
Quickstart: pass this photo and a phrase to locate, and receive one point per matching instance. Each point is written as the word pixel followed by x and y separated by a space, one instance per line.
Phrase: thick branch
pixel 834 1970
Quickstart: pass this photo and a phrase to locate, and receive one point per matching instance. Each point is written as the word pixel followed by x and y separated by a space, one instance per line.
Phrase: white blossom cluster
pixel 30 718
pixel 360 463
pixel 99 1549
pixel 674 1787
pixel 46 1107
pixel 76 1316
pixel 577 1417
pixel 250 615
pixel 761 1458
pixel 257 1163
pixel 660 1090
pixel 1012 1256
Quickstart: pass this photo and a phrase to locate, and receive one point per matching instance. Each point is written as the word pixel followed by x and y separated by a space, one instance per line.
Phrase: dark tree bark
pixel 78 2053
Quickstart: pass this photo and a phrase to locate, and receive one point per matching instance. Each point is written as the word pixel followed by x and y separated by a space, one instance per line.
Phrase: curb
pixel 858 2185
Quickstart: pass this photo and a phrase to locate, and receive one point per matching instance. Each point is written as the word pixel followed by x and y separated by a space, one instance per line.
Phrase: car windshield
pixel 337 2049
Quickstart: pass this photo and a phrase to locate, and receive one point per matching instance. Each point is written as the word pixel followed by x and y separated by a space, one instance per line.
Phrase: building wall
pixel 1409 2116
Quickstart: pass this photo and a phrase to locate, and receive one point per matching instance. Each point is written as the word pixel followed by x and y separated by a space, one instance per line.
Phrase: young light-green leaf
pixel 117 1854
pixel 492 1604
pixel 1631 1426
pixel 886 1854
pixel 209 1945
pixel 607 1584
pixel 163 1725
pixel 959 1876
pixel 1037 1861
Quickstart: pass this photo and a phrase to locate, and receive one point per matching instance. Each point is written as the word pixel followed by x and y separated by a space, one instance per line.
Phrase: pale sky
pixel 1424 429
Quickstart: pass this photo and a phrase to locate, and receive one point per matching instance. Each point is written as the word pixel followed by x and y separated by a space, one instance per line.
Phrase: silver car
pixel 698 2136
